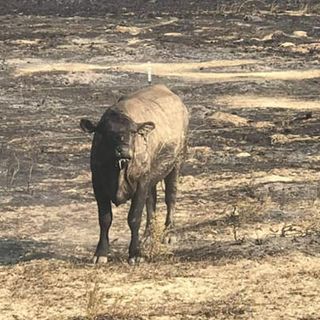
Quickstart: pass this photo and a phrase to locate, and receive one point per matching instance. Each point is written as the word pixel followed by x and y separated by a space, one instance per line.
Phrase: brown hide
pixel 160 150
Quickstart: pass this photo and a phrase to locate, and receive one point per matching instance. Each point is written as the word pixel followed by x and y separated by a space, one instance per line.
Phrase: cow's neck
pixel 125 188
pixel 138 166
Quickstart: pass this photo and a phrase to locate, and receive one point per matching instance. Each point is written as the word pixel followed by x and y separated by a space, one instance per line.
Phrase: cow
pixel 138 142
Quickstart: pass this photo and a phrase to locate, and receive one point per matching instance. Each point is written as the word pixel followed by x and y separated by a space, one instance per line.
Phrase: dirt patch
pixel 163 69
pixel 181 70
pixel 28 68
pixel 246 101
pixel 157 292
pixel 227 118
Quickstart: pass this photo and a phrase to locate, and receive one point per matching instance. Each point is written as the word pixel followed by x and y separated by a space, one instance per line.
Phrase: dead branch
pixel 12 170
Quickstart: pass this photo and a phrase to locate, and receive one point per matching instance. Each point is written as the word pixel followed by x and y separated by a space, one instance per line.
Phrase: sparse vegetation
pixel 94 298
pixel 12 169
pixel 102 305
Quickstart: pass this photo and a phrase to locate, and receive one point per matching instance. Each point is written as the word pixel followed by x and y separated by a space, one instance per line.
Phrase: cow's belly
pixel 163 164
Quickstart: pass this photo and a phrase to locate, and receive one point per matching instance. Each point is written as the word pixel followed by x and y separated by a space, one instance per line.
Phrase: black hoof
pixel 170 239
pixel 100 259
pixel 135 261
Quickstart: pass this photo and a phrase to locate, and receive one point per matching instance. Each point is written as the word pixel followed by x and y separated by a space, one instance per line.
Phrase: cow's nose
pixel 123 152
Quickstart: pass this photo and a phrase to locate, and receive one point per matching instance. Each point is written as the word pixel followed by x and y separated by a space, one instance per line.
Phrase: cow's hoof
pixel 135 261
pixel 165 240
pixel 146 240
pixel 100 259
pixel 146 233
pixel 140 260
pixel 170 239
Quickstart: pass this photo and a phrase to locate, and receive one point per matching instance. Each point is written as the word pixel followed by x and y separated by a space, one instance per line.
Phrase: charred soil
pixel 247 222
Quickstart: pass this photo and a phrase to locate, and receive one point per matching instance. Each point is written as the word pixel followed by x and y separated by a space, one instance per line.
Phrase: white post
pixel 149 73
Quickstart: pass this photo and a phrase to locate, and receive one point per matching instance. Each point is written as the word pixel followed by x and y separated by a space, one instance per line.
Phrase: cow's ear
pixel 87 126
pixel 145 128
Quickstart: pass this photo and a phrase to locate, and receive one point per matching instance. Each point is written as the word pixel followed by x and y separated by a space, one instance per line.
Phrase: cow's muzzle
pixel 122 163
pixel 123 156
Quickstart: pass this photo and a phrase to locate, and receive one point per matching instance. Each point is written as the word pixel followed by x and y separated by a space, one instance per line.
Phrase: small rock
pixel 287 45
pixel 173 240
pixel 100 260
pixel 243 155
pixel 275 36
pixel 263 124
pixel 300 34
pixel 228 118
pixel 252 18
pixel 173 34
pixel 132 30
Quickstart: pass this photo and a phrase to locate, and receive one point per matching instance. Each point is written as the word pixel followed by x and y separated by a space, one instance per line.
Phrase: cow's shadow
pixel 250 249
pixel 15 250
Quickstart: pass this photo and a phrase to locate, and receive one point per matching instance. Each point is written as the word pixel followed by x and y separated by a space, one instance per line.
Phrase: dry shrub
pixel 101 305
pixel 245 6
pixel 300 6
pixel 94 298
pixel 21 160
pixel 119 310
pixel 244 211
pixel 154 247
pixel 251 6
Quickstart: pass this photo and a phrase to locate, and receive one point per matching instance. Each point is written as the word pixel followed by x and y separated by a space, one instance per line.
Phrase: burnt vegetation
pixel 247 233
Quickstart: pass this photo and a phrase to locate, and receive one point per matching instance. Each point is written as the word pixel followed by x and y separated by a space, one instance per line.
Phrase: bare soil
pixel 247 222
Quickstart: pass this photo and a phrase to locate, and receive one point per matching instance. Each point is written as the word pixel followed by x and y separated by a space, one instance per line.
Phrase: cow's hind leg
pixel 171 182
pixel 151 205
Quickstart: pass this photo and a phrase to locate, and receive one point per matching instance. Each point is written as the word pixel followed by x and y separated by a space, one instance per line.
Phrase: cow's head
pixel 117 133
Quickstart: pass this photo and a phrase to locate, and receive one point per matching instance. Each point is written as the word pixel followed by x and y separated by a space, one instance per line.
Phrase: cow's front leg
pixel 105 220
pixel 134 221
pixel 151 205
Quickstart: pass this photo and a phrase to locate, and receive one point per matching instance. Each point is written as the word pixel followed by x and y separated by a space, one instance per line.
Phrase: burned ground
pixel 247 224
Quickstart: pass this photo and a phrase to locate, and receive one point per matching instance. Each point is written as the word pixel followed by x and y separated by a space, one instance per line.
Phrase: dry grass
pixel 94 298
pixel 237 7
pixel 118 310
pixel 251 101
pixel 154 246
pixel 238 289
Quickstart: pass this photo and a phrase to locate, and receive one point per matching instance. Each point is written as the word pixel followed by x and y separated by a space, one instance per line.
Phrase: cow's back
pixel 161 106
pixel 170 116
